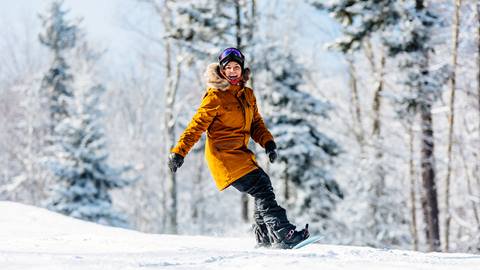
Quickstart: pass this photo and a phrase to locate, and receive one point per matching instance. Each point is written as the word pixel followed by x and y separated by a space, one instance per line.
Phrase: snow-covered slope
pixel 34 238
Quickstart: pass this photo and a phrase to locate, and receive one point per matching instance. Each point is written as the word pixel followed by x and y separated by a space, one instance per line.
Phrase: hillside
pixel 34 238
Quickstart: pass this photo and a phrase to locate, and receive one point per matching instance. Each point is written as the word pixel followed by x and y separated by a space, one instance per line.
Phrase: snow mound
pixel 34 238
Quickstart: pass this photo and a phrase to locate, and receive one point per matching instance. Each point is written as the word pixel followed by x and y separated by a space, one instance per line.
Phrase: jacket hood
pixel 217 81
pixel 214 79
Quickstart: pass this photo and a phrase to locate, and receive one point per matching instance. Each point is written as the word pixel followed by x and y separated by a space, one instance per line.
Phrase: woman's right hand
pixel 175 161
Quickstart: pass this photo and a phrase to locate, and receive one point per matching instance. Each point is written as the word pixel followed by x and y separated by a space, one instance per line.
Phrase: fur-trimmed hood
pixel 217 81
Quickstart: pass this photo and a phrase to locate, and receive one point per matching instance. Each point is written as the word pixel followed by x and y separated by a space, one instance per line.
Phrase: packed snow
pixel 34 238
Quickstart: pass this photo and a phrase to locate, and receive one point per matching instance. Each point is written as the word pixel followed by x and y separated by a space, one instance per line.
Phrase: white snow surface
pixel 34 238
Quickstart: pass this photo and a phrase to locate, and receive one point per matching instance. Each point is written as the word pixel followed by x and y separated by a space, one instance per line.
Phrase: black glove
pixel 175 161
pixel 270 147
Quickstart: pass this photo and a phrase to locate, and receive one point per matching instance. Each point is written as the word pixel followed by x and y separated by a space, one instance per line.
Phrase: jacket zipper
pixel 244 117
pixel 244 120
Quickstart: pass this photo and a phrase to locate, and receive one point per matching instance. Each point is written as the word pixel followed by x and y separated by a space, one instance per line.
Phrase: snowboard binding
pixel 285 238
pixel 293 238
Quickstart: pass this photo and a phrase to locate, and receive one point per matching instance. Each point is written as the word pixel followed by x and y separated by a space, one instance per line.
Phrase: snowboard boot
pixel 261 235
pixel 287 238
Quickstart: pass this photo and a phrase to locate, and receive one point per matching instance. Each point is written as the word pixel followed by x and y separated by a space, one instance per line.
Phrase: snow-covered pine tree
pixel 79 161
pixel 60 36
pixel 360 19
pixel 78 154
pixel 305 153
pixel 205 27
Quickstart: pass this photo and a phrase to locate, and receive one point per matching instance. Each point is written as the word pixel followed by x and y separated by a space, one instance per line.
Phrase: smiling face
pixel 233 71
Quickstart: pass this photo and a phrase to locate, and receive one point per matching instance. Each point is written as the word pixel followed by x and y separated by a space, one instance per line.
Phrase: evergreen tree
pixel 79 161
pixel 60 36
pixel 360 19
pixel 78 154
pixel 205 27
pixel 305 153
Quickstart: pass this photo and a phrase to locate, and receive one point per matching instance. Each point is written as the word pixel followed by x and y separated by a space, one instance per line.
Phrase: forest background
pixel 375 107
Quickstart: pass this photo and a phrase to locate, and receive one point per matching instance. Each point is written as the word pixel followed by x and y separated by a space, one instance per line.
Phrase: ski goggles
pixel 230 51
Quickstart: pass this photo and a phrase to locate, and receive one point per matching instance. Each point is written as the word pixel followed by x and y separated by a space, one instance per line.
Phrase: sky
pixel 103 20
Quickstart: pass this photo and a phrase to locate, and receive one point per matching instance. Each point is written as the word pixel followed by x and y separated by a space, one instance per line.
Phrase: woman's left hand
pixel 270 148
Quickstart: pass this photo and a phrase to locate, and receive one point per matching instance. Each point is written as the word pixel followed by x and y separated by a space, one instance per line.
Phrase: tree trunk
pixel 238 24
pixel 198 194
pixel 413 227
pixel 451 122
pixel 430 204
pixel 357 113
pixel 376 128
pixel 170 139
pixel 377 101
pixel 425 213
pixel 171 83
pixel 238 39
pixel 478 80
pixel 430 198
pixel 377 136
pixel 286 188
pixel 478 91
pixel 251 31
pixel 470 191
pixel 379 180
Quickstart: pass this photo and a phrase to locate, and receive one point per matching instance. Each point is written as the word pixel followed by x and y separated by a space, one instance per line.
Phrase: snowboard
pixel 312 239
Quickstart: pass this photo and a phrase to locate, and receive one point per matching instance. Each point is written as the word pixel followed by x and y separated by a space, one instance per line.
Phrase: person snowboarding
pixel 230 116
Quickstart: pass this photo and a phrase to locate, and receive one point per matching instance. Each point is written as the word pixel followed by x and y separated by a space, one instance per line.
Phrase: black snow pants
pixel 267 211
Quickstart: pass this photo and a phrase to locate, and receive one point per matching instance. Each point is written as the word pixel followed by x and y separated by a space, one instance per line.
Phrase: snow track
pixel 33 238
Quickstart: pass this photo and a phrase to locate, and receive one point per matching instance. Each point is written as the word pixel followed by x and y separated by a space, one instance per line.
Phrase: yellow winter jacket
pixel 230 116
